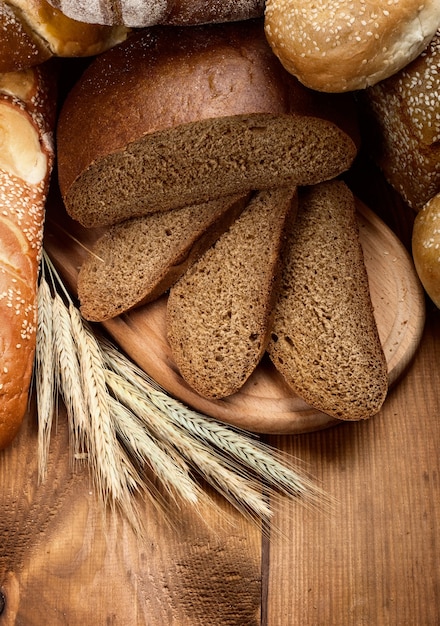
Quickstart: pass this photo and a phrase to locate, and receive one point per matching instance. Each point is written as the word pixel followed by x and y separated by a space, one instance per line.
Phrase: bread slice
pixel 136 261
pixel 179 116
pixel 324 339
pixel 219 312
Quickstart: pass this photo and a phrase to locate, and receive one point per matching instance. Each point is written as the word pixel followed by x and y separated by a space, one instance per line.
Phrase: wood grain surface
pixel 265 404
pixel 371 561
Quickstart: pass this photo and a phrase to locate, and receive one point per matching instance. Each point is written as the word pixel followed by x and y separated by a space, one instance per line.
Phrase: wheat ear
pixel 43 372
pixel 122 423
pixel 246 453
pixel 239 490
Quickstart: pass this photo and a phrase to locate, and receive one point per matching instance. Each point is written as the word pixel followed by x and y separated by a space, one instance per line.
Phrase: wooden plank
pixel 61 563
pixel 374 559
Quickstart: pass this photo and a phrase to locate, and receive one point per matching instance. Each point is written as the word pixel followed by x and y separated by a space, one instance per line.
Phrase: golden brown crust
pixel 32 31
pixel 344 46
pixel 426 248
pixel 26 114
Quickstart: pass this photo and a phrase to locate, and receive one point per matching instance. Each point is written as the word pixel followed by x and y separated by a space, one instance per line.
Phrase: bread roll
pixel 402 127
pixel 340 46
pixel 426 248
pixel 32 31
pixel 27 107
pixel 182 115
pixel 141 13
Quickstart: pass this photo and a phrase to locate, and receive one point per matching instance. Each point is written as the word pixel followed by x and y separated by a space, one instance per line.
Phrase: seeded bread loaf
pixel 136 261
pixel 191 114
pixel 27 119
pixel 337 46
pixel 324 339
pixel 402 122
pixel 219 312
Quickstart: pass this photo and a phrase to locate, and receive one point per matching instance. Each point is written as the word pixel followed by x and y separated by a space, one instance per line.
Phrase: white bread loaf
pixel 402 127
pixel 32 31
pixel 141 13
pixel 27 114
pixel 426 248
pixel 335 45
pixel 182 115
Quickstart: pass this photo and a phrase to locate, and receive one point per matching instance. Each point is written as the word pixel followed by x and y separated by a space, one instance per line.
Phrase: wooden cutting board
pixel 264 404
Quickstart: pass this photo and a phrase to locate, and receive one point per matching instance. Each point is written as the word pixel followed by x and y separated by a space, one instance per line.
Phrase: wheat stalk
pixel 104 449
pixel 248 454
pixel 122 423
pixel 44 379
pixel 167 465
pixel 233 486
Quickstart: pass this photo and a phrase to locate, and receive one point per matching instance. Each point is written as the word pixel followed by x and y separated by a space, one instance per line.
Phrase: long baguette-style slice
pixel 136 261
pixel 219 312
pixel 324 340
pixel 27 107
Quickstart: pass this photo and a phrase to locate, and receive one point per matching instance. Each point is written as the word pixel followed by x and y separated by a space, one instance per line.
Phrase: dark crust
pixel 166 76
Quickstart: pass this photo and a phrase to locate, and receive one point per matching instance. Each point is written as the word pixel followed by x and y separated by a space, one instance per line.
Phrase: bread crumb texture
pixel 324 339
pixel 136 261
pixel 339 45
pixel 219 312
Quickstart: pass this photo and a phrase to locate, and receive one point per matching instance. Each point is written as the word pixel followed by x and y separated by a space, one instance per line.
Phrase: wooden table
pixel 372 560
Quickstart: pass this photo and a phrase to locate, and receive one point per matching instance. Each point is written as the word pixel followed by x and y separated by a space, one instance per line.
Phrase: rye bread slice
pixel 137 260
pixel 179 116
pixel 219 313
pixel 324 339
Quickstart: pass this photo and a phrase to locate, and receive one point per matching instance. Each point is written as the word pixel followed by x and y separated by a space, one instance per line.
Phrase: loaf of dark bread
pixel 136 261
pixel 179 116
pixel 324 339
pixel 219 313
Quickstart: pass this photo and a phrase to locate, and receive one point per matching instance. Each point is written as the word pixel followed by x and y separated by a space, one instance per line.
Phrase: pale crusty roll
pixel 141 13
pixel 336 45
pixel 426 248
pixel 33 31
pixel 26 160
